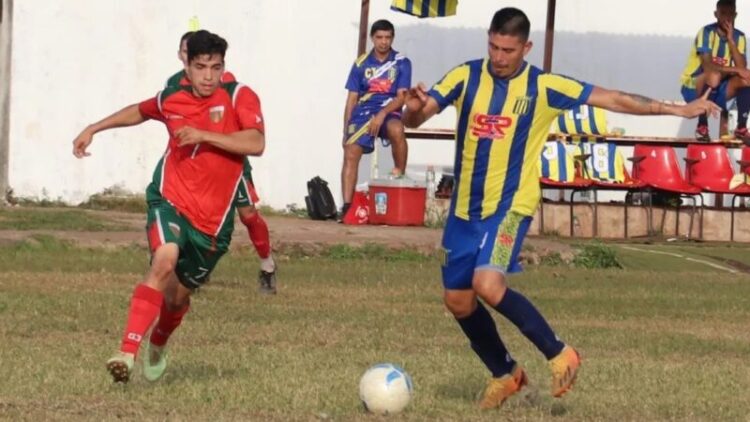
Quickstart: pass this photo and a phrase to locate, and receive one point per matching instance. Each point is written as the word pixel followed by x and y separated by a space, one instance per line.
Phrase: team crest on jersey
pixel 522 105
pixel 216 113
pixel 490 126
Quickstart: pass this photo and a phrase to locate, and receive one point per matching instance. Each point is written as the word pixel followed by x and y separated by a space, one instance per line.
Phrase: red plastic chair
pixel 710 168
pixel 657 166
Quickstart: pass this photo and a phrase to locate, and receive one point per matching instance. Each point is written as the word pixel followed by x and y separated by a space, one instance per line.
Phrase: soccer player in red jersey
pixel 247 197
pixel 212 127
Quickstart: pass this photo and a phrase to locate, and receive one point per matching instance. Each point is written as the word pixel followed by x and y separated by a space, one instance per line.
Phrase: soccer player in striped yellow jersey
pixel 504 110
pixel 718 62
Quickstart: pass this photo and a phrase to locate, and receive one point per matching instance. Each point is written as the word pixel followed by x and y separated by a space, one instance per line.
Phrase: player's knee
pixel 713 79
pixel 176 301
pixel 396 132
pixel 163 263
pixel 490 289
pixel 247 212
pixel 460 307
pixel 351 155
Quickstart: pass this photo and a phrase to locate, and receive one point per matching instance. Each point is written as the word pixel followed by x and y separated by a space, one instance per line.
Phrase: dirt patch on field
pixel 286 232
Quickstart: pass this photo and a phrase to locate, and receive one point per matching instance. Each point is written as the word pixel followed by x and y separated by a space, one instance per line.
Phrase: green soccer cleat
pixel 155 363
pixel 120 366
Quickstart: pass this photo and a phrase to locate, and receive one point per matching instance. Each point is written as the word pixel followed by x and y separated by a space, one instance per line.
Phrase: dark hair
pixel 729 3
pixel 185 36
pixel 511 21
pixel 382 25
pixel 203 42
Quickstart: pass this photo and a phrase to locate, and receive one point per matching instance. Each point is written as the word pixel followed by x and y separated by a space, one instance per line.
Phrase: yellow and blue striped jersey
pixel 605 162
pixel 501 128
pixel 556 163
pixel 426 8
pixel 709 41
pixel 584 120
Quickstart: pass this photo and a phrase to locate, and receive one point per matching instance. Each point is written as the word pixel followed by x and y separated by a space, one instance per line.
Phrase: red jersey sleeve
pixel 150 109
pixel 247 106
pixel 227 76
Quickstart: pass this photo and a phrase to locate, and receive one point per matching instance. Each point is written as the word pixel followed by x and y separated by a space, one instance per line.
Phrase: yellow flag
pixel 194 24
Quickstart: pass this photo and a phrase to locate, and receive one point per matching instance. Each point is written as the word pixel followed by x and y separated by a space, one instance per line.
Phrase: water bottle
pixel 430 178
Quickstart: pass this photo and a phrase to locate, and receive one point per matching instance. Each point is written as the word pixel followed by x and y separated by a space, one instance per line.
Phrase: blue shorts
pixel 490 244
pixel 720 97
pixel 359 125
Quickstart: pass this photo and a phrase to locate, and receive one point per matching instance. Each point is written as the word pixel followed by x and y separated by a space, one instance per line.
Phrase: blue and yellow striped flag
pixel 556 163
pixel 426 8
pixel 605 162
pixel 585 120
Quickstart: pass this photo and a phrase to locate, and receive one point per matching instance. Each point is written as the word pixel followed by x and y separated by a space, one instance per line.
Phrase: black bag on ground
pixel 319 200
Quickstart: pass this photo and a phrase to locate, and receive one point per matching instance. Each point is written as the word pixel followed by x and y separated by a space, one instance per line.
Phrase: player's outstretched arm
pixel 419 106
pixel 623 102
pixel 128 116
pixel 243 142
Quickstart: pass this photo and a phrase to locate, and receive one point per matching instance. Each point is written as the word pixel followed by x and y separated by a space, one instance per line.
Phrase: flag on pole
pixel 426 8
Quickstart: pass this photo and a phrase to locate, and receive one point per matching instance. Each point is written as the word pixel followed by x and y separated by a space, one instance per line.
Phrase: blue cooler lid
pixel 403 182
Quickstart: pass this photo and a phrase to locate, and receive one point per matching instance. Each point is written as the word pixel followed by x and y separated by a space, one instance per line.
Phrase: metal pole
pixel 549 35
pixel 363 16
pixel 6 17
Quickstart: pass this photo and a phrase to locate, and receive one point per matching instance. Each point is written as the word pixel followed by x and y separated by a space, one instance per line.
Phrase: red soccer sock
pixel 258 231
pixel 144 308
pixel 168 322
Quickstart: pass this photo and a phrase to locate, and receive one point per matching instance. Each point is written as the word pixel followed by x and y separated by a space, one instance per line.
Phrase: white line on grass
pixel 687 258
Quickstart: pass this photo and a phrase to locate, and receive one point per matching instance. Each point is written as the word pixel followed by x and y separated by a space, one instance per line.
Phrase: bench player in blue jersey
pixel 718 62
pixel 504 108
pixel 377 86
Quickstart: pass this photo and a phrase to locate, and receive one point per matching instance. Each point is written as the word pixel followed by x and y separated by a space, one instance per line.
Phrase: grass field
pixel 662 339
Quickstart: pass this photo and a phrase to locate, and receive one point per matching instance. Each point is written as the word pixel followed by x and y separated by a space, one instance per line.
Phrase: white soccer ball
pixel 385 389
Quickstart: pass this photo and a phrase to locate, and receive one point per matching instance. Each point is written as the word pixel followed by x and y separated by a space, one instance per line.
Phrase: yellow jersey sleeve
pixel 449 90
pixel 564 93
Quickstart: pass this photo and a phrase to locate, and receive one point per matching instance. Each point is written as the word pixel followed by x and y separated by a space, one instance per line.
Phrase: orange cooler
pixel 397 202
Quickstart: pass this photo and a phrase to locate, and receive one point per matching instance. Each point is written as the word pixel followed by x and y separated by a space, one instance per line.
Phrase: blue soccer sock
pixel 521 312
pixel 480 328
pixel 743 107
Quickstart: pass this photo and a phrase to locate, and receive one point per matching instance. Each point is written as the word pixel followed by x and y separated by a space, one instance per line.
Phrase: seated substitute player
pixel 718 63
pixel 377 85
pixel 212 127
pixel 504 110
pixel 247 197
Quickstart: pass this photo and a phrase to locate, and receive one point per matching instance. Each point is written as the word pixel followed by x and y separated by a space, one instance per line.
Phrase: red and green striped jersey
pixel 200 180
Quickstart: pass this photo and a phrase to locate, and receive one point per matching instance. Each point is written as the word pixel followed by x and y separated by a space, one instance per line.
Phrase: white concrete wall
pixel 79 60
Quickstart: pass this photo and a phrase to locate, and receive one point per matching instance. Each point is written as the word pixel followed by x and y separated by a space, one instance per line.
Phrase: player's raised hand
pixel 189 136
pixel 700 106
pixel 728 27
pixel 81 142
pixel 416 97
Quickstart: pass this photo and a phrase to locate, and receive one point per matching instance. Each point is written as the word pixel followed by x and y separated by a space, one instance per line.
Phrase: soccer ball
pixel 385 389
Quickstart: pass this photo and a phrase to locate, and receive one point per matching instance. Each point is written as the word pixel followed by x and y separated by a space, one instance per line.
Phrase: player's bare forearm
pixel 419 110
pixel 128 116
pixel 623 102
pixel 396 105
pixel 244 142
